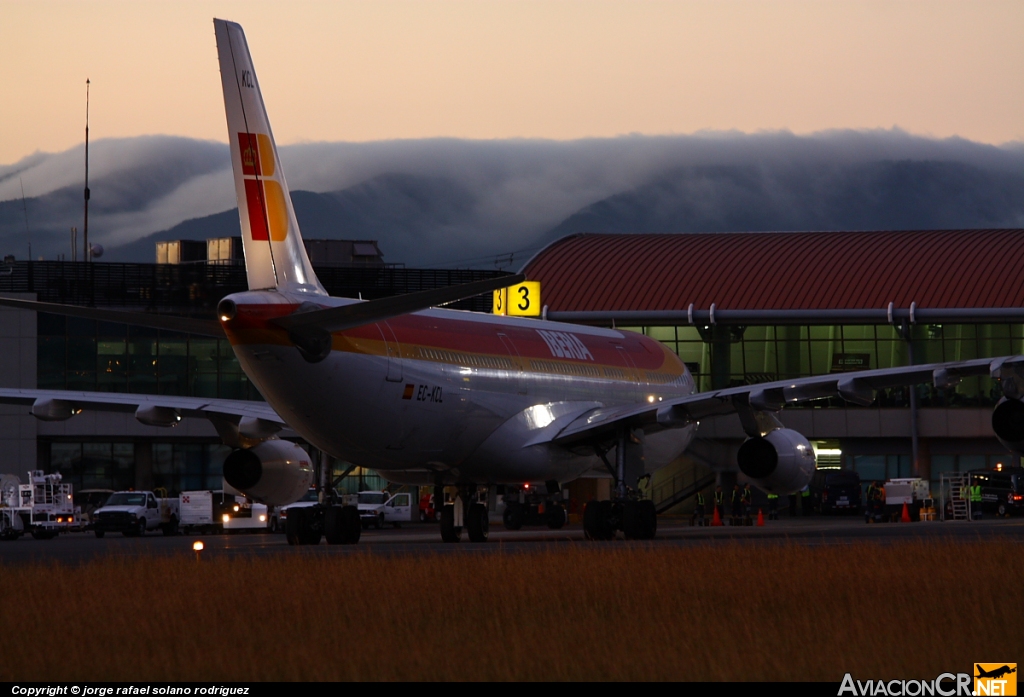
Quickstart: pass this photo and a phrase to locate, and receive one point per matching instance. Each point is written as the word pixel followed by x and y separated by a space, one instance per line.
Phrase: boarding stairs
pixel 953 486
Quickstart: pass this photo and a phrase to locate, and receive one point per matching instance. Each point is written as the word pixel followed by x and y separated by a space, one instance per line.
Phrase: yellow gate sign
pixel 522 300
pixel 500 298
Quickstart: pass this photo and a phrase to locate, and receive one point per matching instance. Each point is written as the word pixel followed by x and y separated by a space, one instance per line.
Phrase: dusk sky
pixel 364 71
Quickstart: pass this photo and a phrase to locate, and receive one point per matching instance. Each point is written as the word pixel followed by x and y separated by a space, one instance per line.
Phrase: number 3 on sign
pixel 523 300
pixel 500 300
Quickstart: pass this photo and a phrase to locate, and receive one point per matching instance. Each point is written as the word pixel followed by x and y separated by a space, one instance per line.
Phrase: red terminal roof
pixel 782 270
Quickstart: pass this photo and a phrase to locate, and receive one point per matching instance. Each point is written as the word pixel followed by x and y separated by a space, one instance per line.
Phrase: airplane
pixel 995 673
pixel 448 398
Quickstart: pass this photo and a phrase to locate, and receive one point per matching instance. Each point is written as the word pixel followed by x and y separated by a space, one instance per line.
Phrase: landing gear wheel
pixel 342 525
pixel 556 516
pixel 513 516
pixel 597 520
pixel 639 520
pixel 477 523
pixel 449 531
pixel 294 526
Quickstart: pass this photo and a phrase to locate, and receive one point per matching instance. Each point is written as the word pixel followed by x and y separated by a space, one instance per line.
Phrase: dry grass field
pixel 593 612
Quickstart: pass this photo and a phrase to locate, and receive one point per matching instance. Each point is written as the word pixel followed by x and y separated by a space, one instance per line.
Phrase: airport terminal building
pixel 743 308
pixel 738 308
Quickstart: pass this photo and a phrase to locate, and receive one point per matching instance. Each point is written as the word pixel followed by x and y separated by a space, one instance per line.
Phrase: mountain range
pixel 464 203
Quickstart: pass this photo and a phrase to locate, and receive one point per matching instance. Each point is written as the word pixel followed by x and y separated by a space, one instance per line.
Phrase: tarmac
pixel 424 538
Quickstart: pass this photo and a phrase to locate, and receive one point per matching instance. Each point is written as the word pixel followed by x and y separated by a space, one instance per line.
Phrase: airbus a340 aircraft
pixel 451 398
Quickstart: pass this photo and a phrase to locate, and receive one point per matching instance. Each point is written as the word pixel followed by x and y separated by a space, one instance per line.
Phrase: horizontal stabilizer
pixel 335 319
pixel 186 325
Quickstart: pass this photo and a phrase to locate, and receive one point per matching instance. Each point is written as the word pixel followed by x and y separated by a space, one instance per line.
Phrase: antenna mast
pixel 85 231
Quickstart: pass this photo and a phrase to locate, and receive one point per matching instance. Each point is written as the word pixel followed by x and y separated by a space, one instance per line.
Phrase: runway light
pixel 197 547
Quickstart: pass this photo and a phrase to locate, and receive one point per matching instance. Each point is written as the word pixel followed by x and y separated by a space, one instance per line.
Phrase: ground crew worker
pixel 720 502
pixel 747 500
pixel 869 510
pixel 976 500
pixel 773 506
pixel 737 506
pixel 698 511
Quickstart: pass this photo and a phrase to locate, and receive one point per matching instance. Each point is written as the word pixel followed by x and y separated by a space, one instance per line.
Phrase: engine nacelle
pixel 781 462
pixel 1008 424
pixel 275 472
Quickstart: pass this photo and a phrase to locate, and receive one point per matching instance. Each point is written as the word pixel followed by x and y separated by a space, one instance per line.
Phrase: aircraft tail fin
pixel 274 254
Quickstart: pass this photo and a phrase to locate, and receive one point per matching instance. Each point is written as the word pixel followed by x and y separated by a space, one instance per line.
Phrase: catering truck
pixel 134 513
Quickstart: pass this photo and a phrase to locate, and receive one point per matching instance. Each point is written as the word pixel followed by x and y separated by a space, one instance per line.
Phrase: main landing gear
pixel 634 516
pixel 636 519
pixel 328 518
pixel 468 510
pixel 339 524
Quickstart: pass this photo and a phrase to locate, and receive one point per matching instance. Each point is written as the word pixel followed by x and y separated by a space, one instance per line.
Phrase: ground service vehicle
pixel 44 507
pixel 204 511
pixel 428 396
pixel 528 506
pixel 836 491
pixel 243 514
pixel 134 513
pixel 379 507
pixel 1002 490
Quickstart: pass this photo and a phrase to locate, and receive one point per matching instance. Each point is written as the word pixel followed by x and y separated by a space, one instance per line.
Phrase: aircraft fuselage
pixel 455 393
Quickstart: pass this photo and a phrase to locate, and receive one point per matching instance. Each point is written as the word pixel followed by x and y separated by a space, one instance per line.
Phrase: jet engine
pixel 1008 424
pixel 781 462
pixel 275 472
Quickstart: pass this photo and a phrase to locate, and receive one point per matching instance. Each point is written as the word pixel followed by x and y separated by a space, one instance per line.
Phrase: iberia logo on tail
pixel 264 197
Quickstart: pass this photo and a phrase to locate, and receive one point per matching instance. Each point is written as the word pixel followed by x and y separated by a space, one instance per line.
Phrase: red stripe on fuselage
pixel 467 335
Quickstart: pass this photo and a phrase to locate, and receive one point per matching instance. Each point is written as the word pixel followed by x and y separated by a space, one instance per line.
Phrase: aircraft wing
pixel 231 409
pixel 857 387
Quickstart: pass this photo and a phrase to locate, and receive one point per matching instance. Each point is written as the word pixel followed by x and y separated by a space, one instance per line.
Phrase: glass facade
pixel 94 465
pixel 179 467
pixel 80 354
pixel 733 356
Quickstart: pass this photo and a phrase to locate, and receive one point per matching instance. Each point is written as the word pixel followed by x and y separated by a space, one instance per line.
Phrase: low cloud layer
pixel 454 202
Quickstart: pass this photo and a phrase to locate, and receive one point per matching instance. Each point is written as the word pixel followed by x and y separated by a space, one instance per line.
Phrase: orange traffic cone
pixel 760 517
pixel 905 517
pixel 717 519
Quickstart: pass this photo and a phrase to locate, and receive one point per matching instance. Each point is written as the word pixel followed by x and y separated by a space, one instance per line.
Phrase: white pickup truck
pixel 133 513
pixel 379 507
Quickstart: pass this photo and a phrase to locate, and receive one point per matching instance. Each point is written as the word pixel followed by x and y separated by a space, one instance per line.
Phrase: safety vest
pixel 719 497
pixel 745 498
pixel 700 499
pixel 772 496
pixel 976 493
